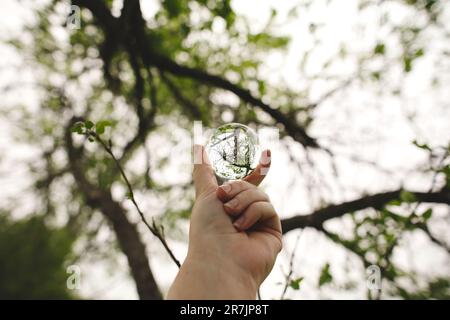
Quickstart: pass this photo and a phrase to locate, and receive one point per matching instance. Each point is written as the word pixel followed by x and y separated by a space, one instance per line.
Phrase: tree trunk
pixel 131 244
pixel 126 232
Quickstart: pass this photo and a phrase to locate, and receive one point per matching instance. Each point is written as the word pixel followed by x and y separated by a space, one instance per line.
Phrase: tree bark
pixel 132 246
pixel 377 201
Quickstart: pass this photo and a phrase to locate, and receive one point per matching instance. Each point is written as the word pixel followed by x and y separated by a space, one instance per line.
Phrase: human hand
pixel 234 237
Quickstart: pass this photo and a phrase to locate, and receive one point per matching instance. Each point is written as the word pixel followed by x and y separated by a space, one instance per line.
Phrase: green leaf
pixel 407 196
pixel 395 202
pixel 325 275
pixel 100 129
pixel 407 64
pixel 101 125
pixel 419 53
pixel 379 49
pixel 78 127
pixel 427 214
pixel 295 283
pixel 376 75
pixel 89 124
pixel 267 41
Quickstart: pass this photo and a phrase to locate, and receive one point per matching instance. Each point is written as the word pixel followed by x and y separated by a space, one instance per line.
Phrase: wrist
pixel 204 276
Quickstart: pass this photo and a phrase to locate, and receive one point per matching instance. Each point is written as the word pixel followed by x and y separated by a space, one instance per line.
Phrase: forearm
pixel 200 279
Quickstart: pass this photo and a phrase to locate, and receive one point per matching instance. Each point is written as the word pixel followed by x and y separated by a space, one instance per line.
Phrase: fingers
pixel 260 172
pixel 258 212
pixel 203 175
pixel 238 195
pixel 230 189
pixel 243 200
pixel 252 204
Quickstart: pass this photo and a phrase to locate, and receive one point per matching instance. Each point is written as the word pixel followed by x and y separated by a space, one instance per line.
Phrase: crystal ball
pixel 232 150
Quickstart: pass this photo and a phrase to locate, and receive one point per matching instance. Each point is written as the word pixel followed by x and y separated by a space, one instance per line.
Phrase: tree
pixel 32 259
pixel 134 82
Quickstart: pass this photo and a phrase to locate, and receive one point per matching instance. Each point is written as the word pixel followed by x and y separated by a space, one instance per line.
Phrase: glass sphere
pixel 232 150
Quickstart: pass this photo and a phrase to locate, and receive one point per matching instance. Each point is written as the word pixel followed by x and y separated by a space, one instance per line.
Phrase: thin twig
pixel 152 227
pixel 291 267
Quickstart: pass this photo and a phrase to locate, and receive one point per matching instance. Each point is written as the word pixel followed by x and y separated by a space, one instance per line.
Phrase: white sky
pixel 370 120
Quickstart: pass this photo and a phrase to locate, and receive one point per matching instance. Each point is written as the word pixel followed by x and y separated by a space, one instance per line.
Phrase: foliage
pixel 295 283
pixel 325 275
pixel 33 257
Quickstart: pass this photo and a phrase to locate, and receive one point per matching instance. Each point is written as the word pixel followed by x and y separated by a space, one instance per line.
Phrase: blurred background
pixel 359 91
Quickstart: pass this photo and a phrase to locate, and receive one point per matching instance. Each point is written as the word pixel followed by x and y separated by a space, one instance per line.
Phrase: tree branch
pixel 376 201
pixel 151 58
pixel 189 106
pixel 426 230
pixel 295 131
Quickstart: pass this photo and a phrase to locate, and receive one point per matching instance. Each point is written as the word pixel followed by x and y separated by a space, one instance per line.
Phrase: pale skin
pixel 234 236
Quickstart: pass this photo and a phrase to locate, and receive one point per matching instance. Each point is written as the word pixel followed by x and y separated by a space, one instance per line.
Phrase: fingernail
pixel 226 187
pixel 265 158
pixel 232 203
pixel 239 222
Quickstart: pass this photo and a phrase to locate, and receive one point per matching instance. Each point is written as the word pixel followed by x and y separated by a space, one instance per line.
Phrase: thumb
pixel 203 175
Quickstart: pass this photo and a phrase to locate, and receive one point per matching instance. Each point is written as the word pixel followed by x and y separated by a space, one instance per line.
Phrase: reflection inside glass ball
pixel 232 150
